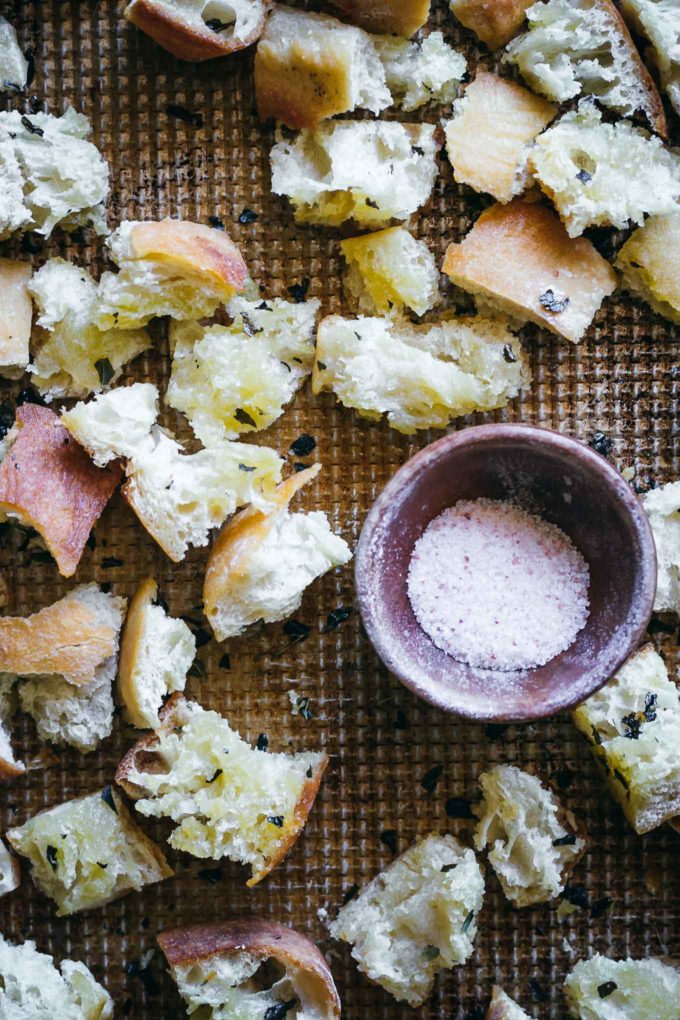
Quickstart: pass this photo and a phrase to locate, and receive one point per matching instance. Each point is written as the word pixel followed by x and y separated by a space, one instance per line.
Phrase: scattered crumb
pixel 628 473
pixel 323 915
pixel 565 909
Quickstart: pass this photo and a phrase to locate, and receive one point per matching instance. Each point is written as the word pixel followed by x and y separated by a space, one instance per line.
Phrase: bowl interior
pixel 569 485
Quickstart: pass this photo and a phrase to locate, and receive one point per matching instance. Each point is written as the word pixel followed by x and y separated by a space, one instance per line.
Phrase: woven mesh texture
pixel 622 380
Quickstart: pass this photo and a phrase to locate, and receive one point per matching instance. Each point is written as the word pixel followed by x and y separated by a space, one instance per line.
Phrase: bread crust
pixel 498 1010
pixel 15 316
pixel 185 41
pixel 10 770
pixel 193 248
pixel 48 482
pixel 494 23
pixel 313 86
pixel 398 17
pixel 131 639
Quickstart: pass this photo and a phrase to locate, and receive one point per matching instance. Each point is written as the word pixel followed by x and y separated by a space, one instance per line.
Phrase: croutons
pixel 10 872
pixel 599 173
pixel 659 21
pixel 156 652
pixel 489 138
pixel 311 66
pixel 223 967
pixel 649 263
pixel 49 483
pixel 416 918
pixel 494 23
pixel 663 509
pixel 88 851
pixel 422 71
pixel 170 267
pixel 31 987
pixel 15 315
pixel 389 270
pixel 113 424
pixel 604 989
pixel 397 17
pixel 239 378
pixel 633 728
pixel 502 1007
pixel 10 768
pixel 367 171
pixel 582 47
pixel 518 258
pixel 199 29
pixel 533 842
pixel 13 63
pixel 225 798
pixel 419 376
pixel 261 563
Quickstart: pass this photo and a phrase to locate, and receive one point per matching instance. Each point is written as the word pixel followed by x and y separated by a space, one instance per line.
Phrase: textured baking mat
pixel 383 743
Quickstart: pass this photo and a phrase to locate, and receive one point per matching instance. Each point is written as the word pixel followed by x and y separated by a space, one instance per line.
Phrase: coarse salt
pixel 498 587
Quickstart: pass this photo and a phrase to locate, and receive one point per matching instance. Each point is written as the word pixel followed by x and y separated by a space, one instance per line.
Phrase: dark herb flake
pixel 51 854
pixel 633 726
pixel 400 721
pixel 197 669
pixel 431 778
pixel 494 731
pixel 601 443
pixel 447 867
pixel 212 875
pixel 12 86
pixel 351 893
pixel 552 303
pixel 568 840
pixel 247 216
pixel 650 706
pixel 262 742
pixel 279 1011
pixel 468 921
pixel 276 820
pixel 583 176
pixel 336 617
pixel 600 907
pixel 107 797
pixel 389 838
pixel 247 468
pixel 430 953
pixel 32 128
pixel 216 222
pixel 303 445
pixel 509 355
pixel 606 989
pixel 243 418
pixel 104 371
pixel 111 561
pixel 298 291
pixel 181 113
pixel 458 807
pixel 576 894
pixel 215 25
pixel 296 631
pixel 538 993
pixel 303 709
pixel 225 661
pixel 218 773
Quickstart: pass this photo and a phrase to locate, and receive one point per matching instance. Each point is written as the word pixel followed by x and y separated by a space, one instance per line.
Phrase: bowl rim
pixel 507 434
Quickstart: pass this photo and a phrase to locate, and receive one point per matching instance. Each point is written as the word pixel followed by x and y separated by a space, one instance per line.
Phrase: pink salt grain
pixel 497 587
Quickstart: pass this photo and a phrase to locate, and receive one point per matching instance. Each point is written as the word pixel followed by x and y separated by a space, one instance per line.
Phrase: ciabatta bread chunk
pixel 633 727
pixel 533 842
pixel 582 47
pixel 10 872
pixel 416 918
pixel 419 376
pixel 502 1007
pixel 31 987
pixel 74 357
pixel 649 263
pixel 239 378
pixel 519 259
pixel 156 652
pixel 56 176
pixel 396 17
pixel 604 174
pixel 199 29
pixel 49 483
pixel 88 851
pixel 422 71
pixel 312 66
pixel 663 509
pixel 494 23
pixel 261 563
pixel 113 424
pixel 222 969
pixel 659 22
pixel 370 172
pixel 492 130
pixel 13 63
pixel 10 768
pixel 388 271
pixel 167 267
pixel 604 989
pixel 225 798
pixel 16 317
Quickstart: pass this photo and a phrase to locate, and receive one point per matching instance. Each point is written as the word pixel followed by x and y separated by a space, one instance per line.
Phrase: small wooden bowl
pixel 573 487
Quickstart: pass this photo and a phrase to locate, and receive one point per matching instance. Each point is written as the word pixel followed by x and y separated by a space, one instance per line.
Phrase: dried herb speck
pixel 107 797
pixel 216 222
pixel 632 726
pixel 400 721
pixel 296 631
pixel 51 854
pixel 279 1011
pixel 430 953
pixel 468 921
pixel 447 867
pixel 247 216
pixel 32 128
pixel 215 25
pixel 104 371
pixel 600 907
pixel 276 820
pixel 111 561
pixel 494 731
pixel 389 838
pixel 568 840
pixel 262 742
pixel 243 418
pixel 538 993
pixel 303 445
pixel 351 893
pixel 650 706
pixel 225 661
pixel 336 617
pixel 298 291
pixel 181 113
pixel 218 773
pixel 458 807
pixel 509 355
pixel 583 176
pixel 606 989
pixel 576 894
pixel 212 875
pixel 601 443
pixel 431 778
pixel 552 303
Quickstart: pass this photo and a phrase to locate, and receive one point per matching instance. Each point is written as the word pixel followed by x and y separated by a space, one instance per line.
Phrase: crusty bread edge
pixel 130 640
pixel 181 40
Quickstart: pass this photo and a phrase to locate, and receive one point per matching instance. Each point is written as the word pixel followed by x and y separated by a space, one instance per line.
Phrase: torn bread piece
pixel 502 1007
pixel 16 317
pixel 421 71
pixel 261 563
pixel 88 851
pixel 649 263
pixel 156 653
pixel 223 968
pixel 13 63
pixel 396 17
pixel 533 842
pixel 662 506
pixel 605 989
pixel 388 271
pixel 491 133
pixel 113 424
pixel 225 798
pixel 10 767
pixel 48 482
pixel 167 267
pixel 239 378
pixel 370 172
pixel 604 174
pixel 10 871
pixel 494 23
pixel 633 728
pixel 419 376
pixel 582 47
pixel 31 987
pixel 312 66
pixel 416 918
pixel 199 29
pixel 659 22
pixel 519 259
pixel 74 357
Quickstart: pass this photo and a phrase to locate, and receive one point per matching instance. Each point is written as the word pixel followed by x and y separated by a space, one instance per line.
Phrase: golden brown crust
pixel 656 113
pixel 10 770
pixel 185 41
pixel 48 482
pixel 130 641
pixel 16 313
pixel 494 23
pixel 399 17
pixel 302 89
pixel 193 249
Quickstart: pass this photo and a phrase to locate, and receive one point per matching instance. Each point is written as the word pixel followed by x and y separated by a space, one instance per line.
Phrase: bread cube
pixel 156 653
pixel 494 23
pixel 604 989
pixel 31 987
pixel 419 72
pixel 633 728
pixel 13 63
pixel 370 172
pixel 533 841
pixel 397 17
pixel 75 357
pixel 489 138
pixel 16 314
pixel 10 768
pixel 599 173
pixel 502 1007
pixel 261 563
pixel 582 47
pixel 649 263
pixel 88 851
pixel 223 968
pixel 113 424
pixel 171 267
pixel 14 213
pixel 199 29
pixel 225 798
pixel 415 918
pixel 419 376
pixel 48 482
pixel 239 378
pixel 10 872
pixel 519 259
pixel 663 509
pixel 659 22
pixel 389 270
